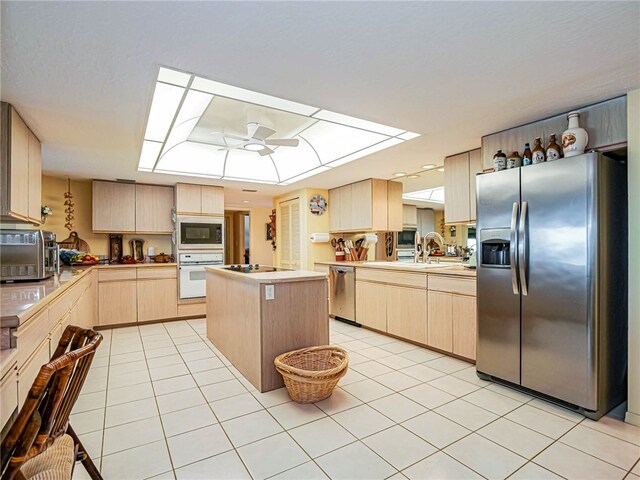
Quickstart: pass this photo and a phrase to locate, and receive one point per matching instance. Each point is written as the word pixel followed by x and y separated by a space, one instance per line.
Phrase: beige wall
pixel 260 247
pixel 461 230
pixel 633 127
pixel 53 189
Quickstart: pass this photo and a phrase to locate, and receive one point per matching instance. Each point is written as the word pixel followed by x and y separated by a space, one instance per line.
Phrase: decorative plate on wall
pixel 317 204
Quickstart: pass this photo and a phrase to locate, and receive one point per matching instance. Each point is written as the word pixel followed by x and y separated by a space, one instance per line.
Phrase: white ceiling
pixel 82 73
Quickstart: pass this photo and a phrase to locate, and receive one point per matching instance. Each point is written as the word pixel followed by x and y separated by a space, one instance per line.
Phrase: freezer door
pixel 556 251
pixel 498 348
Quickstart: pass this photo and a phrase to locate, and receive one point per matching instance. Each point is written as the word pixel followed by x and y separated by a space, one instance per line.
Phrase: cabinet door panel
pixel 157 299
pixel 35 178
pixel 464 326
pixel 117 302
pixel 29 371
pixel 334 209
pixel 212 200
pixel 394 206
pixel 19 158
pixel 456 188
pixel 188 198
pixel 475 167
pixel 153 209
pixel 371 309
pixel 114 207
pixel 361 205
pixel 407 313
pixel 409 216
pixel 440 331
pixel 346 219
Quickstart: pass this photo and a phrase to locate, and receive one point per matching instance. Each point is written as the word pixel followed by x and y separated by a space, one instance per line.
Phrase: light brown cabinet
pixel 21 168
pixel 130 208
pixel 440 321
pixel 117 302
pixel 114 207
pixel 154 204
pixel 407 313
pixel 409 216
pixel 452 315
pixel 459 186
pixel 199 199
pixel 9 395
pixel 157 299
pixel 371 305
pixel 364 206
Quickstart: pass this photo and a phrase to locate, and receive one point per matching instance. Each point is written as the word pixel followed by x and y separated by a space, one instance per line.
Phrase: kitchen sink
pixel 413 264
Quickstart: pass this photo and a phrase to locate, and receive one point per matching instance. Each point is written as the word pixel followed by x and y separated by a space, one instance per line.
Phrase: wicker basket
pixel 310 374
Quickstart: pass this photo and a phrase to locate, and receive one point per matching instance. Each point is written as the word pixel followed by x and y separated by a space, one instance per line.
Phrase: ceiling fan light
pixel 254 147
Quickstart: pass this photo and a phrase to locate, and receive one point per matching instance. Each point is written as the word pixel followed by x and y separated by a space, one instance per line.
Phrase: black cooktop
pixel 253 268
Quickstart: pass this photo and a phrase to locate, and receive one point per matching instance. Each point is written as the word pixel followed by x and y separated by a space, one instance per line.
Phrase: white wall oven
pixel 192 281
pixel 201 233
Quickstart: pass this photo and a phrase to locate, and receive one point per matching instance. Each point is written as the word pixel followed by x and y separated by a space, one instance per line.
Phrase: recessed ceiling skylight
pixel 203 128
pixel 435 195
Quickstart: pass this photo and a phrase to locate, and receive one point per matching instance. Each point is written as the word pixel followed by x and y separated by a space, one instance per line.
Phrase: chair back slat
pixel 45 414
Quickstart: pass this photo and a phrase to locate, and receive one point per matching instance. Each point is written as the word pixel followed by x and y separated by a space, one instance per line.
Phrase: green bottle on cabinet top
pixel 538 155
pixel 526 155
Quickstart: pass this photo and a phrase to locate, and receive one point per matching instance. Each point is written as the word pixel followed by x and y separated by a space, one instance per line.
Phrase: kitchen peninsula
pixel 254 315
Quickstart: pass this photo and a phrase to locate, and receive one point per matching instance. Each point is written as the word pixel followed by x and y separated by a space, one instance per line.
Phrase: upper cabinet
pixel 426 221
pixel 369 205
pixel 21 169
pixel 199 199
pixel 131 208
pixel 409 216
pixel 154 204
pixel 114 207
pixel 459 186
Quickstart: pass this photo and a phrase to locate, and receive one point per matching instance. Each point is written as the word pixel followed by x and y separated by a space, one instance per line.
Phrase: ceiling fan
pixel 257 140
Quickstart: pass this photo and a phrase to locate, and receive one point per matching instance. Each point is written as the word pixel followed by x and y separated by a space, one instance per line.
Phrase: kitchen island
pixel 255 315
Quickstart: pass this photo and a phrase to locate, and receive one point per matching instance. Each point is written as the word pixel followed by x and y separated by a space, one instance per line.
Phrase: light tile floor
pixel 162 402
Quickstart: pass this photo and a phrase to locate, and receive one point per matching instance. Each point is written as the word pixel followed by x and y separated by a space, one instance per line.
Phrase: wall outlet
pixel 269 292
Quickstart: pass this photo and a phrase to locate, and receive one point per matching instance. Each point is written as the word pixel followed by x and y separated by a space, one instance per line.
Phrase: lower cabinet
pixel 9 395
pixel 440 321
pixel 452 323
pixel 407 313
pixel 464 326
pixel 117 302
pixel 371 305
pixel 29 371
pixel 157 299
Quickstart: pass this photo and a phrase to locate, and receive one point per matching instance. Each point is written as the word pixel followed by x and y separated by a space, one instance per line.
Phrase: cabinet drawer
pixel 403 279
pixel 30 334
pixel 28 372
pixel 157 272
pixel 9 395
pixel 192 309
pixel 59 309
pixel 441 283
pixel 106 275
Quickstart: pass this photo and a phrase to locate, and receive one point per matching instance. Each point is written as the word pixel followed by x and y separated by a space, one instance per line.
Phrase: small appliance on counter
pixel 28 255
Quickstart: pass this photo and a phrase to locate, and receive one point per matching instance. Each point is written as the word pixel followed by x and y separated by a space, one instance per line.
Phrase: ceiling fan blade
pixel 255 130
pixel 265 151
pixel 232 147
pixel 283 142
pixel 236 137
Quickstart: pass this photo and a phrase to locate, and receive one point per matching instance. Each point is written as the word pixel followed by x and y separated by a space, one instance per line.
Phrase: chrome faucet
pixel 425 240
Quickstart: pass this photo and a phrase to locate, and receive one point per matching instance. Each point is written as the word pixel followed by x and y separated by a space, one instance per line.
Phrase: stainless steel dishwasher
pixel 342 285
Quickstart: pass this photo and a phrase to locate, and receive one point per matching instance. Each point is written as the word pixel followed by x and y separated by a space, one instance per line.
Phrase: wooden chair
pixel 41 445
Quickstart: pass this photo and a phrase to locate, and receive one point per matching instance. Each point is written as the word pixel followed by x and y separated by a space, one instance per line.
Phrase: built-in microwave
pixel 200 232
pixel 407 239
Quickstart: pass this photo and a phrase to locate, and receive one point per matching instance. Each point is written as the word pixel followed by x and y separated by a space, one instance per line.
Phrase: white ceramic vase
pixel 575 138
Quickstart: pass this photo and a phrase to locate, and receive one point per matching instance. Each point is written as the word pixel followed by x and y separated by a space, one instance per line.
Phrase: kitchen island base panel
pixel 252 331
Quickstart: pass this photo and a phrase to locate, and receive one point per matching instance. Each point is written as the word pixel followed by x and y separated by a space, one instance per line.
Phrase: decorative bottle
pixel 499 161
pixel 514 160
pixel 575 138
pixel 526 155
pixel 554 152
pixel 538 155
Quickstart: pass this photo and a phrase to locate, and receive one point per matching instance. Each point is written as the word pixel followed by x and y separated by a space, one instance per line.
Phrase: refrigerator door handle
pixel 513 248
pixel 522 248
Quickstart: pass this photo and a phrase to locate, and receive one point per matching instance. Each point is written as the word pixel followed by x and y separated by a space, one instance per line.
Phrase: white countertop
pixel 281 276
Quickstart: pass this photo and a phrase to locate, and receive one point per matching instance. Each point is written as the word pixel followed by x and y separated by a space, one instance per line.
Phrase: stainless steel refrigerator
pixel 552 280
